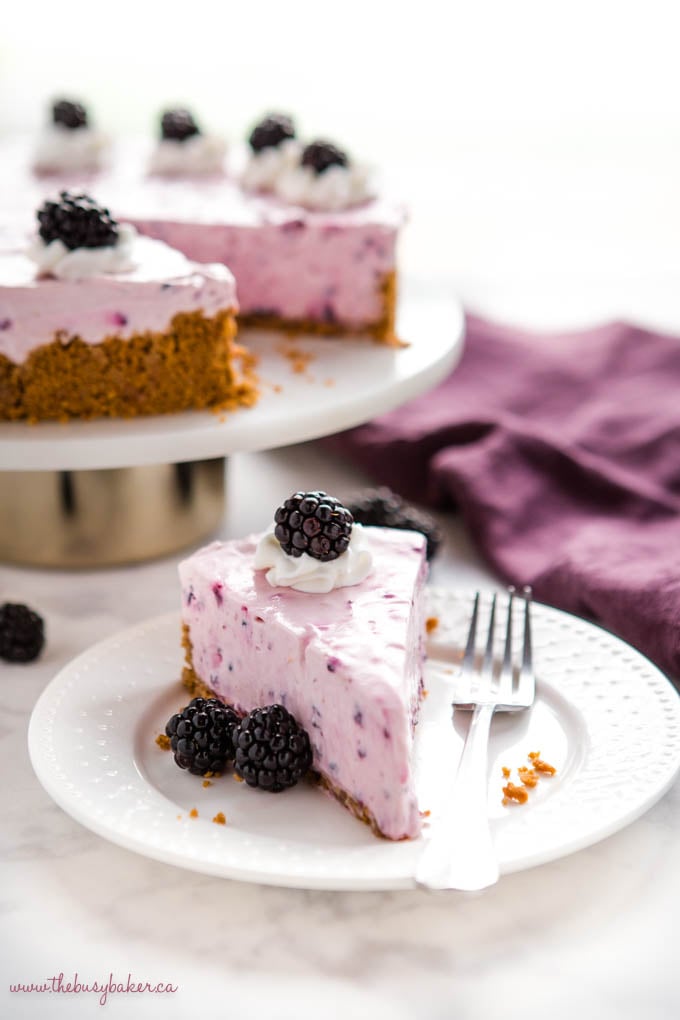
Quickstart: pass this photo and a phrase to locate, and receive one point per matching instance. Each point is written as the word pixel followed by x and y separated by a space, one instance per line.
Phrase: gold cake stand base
pixel 108 517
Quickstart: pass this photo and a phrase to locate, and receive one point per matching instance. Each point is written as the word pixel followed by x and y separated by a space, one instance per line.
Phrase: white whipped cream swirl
pixel 304 573
pixel 64 149
pixel 199 154
pixel 337 187
pixel 55 259
pixel 264 168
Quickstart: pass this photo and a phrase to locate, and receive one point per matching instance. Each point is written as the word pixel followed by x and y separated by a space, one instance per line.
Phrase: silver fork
pixel 459 853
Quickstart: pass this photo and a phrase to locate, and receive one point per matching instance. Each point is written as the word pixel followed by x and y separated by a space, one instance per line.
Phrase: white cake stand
pixel 112 491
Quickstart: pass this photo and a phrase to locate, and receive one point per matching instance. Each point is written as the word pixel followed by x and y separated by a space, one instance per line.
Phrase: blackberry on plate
pixel 69 114
pixel 384 508
pixel 201 736
pixel 22 633
pixel 77 221
pixel 313 523
pixel 272 749
pixel 319 155
pixel 178 125
pixel 271 131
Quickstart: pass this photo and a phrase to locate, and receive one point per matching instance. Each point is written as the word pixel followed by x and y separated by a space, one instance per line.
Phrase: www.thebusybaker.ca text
pixel 101 988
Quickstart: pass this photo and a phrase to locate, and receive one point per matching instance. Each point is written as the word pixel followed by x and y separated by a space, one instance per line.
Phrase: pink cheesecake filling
pixel 347 664
pixel 289 262
pixel 162 284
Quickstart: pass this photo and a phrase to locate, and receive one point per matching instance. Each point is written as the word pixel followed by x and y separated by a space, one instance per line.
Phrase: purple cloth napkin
pixel 562 452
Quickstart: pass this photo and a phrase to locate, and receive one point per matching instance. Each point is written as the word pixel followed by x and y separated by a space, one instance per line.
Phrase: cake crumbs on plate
pixel 211 775
pixel 541 766
pixel 424 693
pixel 207 782
pixel 193 813
pixel 220 818
pixel 431 623
pixel 515 794
pixel 163 741
pixel 239 779
pixel 529 776
pixel 299 359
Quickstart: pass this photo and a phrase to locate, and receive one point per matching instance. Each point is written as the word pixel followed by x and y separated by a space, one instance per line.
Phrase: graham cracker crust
pixel 382 330
pixel 198 689
pixel 194 365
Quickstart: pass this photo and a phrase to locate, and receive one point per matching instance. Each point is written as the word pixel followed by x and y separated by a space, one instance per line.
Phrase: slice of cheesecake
pixel 347 663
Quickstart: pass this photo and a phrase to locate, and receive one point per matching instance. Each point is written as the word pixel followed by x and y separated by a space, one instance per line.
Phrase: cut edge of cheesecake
pixel 194 364
pixel 198 689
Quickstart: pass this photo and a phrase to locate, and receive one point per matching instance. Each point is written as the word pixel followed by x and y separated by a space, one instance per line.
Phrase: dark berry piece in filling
pixel 272 749
pixel 201 736
pixel 22 633
pixel 69 114
pixel 178 125
pixel 320 155
pixel 77 221
pixel 313 523
pixel 271 131
pixel 384 508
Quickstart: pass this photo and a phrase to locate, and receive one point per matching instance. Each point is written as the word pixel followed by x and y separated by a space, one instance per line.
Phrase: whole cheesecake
pixel 346 661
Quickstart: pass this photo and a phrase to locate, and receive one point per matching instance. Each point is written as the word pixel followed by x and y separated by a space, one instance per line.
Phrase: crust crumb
pixel 515 793
pixel 220 819
pixel 163 741
pixel 299 359
pixel 239 779
pixel 506 771
pixel 527 776
pixel 431 623
pixel 193 813
pixel 206 782
pixel 424 693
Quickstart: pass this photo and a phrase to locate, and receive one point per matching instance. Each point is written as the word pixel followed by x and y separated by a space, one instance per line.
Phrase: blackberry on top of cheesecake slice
pixel 96 320
pixel 327 620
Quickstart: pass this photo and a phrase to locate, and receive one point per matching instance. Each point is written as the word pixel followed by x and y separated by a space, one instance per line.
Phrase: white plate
pixel 604 716
pixel 347 382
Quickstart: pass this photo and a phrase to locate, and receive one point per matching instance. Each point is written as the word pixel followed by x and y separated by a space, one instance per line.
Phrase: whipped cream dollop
pixel 55 259
pixel 63 149
pixel 305 573
pixel 199 154
pixel 264 167
pixel 337 187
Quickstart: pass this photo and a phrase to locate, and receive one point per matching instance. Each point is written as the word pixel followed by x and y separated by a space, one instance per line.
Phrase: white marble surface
pixel 590 934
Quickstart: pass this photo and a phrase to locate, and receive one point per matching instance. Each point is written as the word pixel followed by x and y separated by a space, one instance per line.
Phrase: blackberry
pixel 271 131
pixel 319 155
pixel 201 736
pixel 383 508
pixel 272 749
pixel 178 125
pixel 78 221
pixel 69 114
pixel 313 523
pixel 22 633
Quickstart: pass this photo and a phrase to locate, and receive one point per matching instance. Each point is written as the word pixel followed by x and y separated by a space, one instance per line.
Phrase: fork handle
pixel 460 853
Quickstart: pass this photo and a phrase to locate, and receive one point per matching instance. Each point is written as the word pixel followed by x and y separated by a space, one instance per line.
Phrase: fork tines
pixel 492 681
